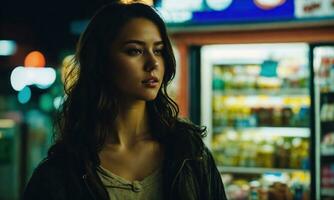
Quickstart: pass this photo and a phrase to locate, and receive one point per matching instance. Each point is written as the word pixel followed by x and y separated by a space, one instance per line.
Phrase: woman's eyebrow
pixel 141 42
pixel 158 43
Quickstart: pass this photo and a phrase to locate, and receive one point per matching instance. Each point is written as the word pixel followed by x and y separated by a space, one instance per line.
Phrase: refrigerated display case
pixel 10 153
pixel 323 67
pixel 255 102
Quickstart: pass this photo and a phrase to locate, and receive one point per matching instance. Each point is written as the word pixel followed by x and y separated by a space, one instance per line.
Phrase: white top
pixel 119 188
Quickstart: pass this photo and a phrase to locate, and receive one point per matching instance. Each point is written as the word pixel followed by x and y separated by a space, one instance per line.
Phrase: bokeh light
pixel 7 47
pixel 24 95
pixel 24 76
pixel 34 59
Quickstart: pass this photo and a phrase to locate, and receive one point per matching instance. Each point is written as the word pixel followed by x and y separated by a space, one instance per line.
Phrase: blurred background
pixel 258 73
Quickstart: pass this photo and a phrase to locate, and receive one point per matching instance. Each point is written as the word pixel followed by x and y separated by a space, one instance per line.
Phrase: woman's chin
pixel 146 97
pixel 150 98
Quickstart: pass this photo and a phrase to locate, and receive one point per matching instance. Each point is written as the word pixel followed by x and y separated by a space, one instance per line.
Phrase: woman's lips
pixel 151 82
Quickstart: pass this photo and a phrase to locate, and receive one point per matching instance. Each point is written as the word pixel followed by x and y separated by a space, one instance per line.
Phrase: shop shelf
pixel 257 170
pixel 327 192
pixel 270 92
pixel 273 131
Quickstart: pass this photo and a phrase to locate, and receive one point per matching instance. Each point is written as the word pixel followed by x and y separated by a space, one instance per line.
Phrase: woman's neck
pixel 131 125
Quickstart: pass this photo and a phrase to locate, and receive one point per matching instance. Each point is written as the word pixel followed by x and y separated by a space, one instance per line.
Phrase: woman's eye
pixel 133 52
pixel 158 51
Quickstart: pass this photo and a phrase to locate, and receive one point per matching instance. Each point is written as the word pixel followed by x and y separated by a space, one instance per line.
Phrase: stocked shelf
pixel 282 148
pixel 327 192
pixel 260 119
pixel 269 92
pixel 257 170
pixel 274 131
pixel 261 111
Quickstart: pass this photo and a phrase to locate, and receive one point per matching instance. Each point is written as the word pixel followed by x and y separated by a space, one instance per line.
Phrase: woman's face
pixel 136 60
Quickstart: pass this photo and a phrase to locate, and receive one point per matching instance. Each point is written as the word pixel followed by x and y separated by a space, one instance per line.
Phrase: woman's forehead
pixel 139 29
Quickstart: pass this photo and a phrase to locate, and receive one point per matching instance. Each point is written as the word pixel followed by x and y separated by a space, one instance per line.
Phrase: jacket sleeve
pixel 216 186
pixel 45 183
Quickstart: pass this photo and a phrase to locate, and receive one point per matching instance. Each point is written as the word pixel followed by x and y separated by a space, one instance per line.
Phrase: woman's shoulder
pixel 49 167
pixel 185 126
pixel 189 131
pixel 186 139
pixel 46 180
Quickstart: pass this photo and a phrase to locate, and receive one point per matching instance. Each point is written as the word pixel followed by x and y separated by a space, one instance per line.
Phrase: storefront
pixel 262 119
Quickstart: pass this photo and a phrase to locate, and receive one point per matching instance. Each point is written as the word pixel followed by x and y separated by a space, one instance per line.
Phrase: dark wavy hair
pixel 91 105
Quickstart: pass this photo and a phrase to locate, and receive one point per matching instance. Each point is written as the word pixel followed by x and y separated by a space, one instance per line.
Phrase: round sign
pixel 219 4
pixel 268 4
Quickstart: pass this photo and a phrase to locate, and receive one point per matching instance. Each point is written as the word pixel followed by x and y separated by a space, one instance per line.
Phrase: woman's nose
pixel 151 63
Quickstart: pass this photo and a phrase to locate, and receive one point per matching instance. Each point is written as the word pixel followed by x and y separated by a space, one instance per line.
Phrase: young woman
pixel 119 135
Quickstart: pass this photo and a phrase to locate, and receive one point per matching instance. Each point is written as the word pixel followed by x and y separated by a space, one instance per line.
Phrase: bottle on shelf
pixel 327 112
pixel 265 155
pixel 287 115
pixel 325 73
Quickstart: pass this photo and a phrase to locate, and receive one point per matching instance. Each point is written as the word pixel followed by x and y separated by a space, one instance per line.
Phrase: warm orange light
pixel 148 2
pixel 34 59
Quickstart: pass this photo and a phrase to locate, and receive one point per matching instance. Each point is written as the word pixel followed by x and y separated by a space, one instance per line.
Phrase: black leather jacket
pixel 187 176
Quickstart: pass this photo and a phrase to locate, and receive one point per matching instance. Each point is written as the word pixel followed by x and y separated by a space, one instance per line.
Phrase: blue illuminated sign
pixel 197 12
pixel 245 11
